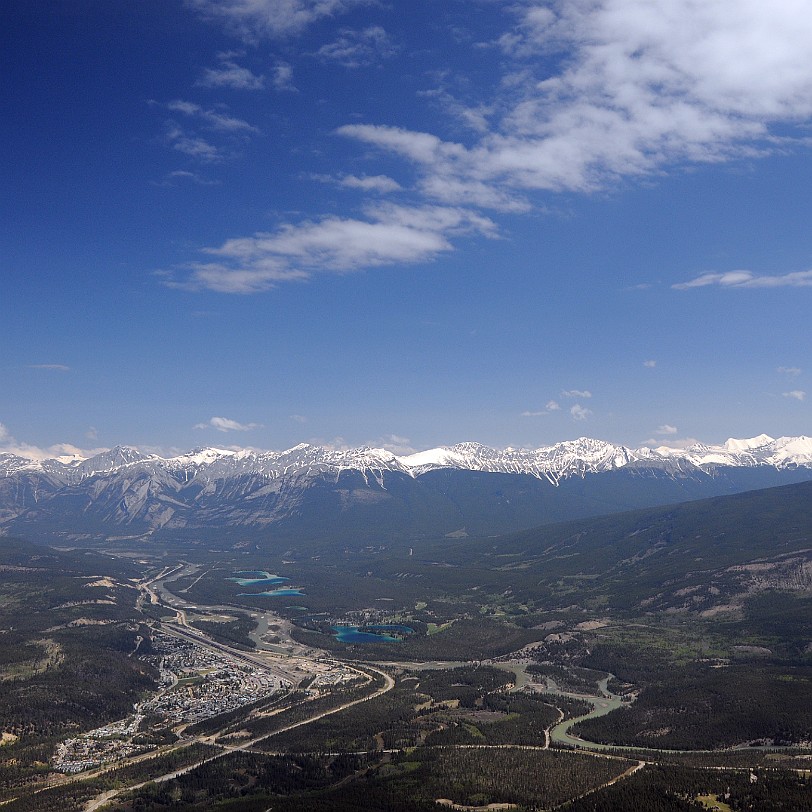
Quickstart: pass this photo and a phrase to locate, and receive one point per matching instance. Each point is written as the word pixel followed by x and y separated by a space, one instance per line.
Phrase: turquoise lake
pixel 353 634
pixel 274 579
pixel 271 593
pixel 257 578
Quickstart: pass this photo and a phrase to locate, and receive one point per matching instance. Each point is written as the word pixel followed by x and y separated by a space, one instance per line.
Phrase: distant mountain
pixel 465 489
pixel 697 557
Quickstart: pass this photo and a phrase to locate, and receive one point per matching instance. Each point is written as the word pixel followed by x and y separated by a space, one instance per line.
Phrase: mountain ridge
pixel 322 493
pixel 553 462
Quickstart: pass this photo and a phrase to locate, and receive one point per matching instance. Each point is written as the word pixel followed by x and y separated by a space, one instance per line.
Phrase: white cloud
pixel 576 393
pixel 380 184
pixel 687 442
pixel 10 445
pixel 50 367
pixel 796 394
pixel 214 123
pixel 355 49
pixel 225 424
pixel 552 406
pixel 666 430
pixel 390 235
pixel 598 90
pixel 283 77
pixel 578 412
pixel 395 443
pixel 212 119
pixel 298 418
pixel 747 279
pixel 650 364
pixel 192 145
pixel 254 19
pixel 230 74
pixel 791 371
pixel 375 183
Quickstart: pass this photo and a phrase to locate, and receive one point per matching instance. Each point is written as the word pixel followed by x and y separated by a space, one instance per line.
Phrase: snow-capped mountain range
pixel 555 462
pixel 446 489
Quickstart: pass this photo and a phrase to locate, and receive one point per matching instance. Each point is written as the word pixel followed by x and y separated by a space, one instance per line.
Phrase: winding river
pixel 603 703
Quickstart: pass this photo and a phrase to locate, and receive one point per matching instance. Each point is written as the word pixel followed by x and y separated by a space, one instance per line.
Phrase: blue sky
pixel 404 224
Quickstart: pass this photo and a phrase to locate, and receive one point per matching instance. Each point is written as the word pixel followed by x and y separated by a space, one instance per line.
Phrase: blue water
pixel 353 634
pixel 269 581
pixel 272 593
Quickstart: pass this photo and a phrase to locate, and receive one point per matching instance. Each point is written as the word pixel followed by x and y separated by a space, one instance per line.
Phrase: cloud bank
pixel 224 424
pixel 636 87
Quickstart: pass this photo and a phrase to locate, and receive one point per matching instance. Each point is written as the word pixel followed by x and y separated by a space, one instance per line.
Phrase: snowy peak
pixel 578 457
pixel 737 446
pixel 372 491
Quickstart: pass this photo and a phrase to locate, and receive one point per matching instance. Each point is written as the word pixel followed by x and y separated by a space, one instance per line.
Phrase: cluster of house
pixel 195 683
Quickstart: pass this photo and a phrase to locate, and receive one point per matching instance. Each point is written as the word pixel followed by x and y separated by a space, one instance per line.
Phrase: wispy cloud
pixel 254 19
pixel 390 234
pixel 192 145
pixel 204 127
pixel 550 406
pixel 576 393
pixel 579 412
pixel 356 49
pixel 795 394
pixel 475 117
pixel 282 76
pixel 50 367
pixel 230 74
pixel 666 430
pixel 211 119
pixel 650 364
pixel 379 184
pixel 748 279
pixel 224 424
pixel 793 372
